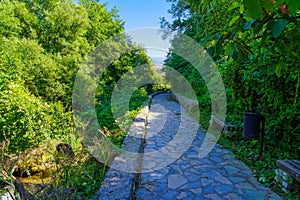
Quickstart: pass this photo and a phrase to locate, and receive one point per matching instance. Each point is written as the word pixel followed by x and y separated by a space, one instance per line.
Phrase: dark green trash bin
pixel 254 125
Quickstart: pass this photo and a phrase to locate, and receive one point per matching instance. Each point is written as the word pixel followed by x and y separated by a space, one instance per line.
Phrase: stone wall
pixel 188 104
pixel 118 184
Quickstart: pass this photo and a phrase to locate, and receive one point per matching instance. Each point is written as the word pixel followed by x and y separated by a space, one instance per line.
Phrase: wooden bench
pixel 292 167
pixel 225 127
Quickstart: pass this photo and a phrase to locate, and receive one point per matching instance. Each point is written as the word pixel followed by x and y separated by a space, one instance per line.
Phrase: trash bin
pixel 254 123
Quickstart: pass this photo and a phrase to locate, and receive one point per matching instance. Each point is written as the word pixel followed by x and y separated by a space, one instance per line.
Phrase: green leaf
pixel 254 8
pixel 278 27
pixel 233 20
pixel 268 4
pixel 293 6
pixel 204 5
pixel 217 36
pixel 233 50
pixel 232 35
pixel 228 49
pixel 205 41
pixel 249 24
pixel 279 68
pixel 234 5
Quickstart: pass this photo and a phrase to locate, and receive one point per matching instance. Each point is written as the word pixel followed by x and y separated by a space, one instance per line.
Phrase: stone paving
pixel 174 170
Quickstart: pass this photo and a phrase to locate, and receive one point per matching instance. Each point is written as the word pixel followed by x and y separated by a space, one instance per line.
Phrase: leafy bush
pixel 41 48
pixel 28 121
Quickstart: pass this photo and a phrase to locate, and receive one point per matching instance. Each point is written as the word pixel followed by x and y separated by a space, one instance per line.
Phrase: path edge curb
pixel 122 185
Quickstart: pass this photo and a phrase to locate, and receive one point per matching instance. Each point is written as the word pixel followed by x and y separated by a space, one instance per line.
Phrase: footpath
pixel 168 166
pixel 217 176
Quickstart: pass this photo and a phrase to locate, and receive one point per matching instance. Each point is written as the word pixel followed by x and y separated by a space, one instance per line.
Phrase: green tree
pixel 42 46
pixel 256 49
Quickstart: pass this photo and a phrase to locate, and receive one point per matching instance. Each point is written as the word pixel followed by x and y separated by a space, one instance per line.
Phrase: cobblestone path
pixel 217 176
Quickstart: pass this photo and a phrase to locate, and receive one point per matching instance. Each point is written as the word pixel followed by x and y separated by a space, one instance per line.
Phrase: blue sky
pixel 140 13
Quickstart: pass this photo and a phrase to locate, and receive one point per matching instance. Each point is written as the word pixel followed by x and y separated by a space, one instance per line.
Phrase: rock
pixel 176 180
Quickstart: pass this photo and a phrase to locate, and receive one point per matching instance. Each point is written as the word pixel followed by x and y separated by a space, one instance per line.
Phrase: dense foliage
pixel 255 44
pixel 42 46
